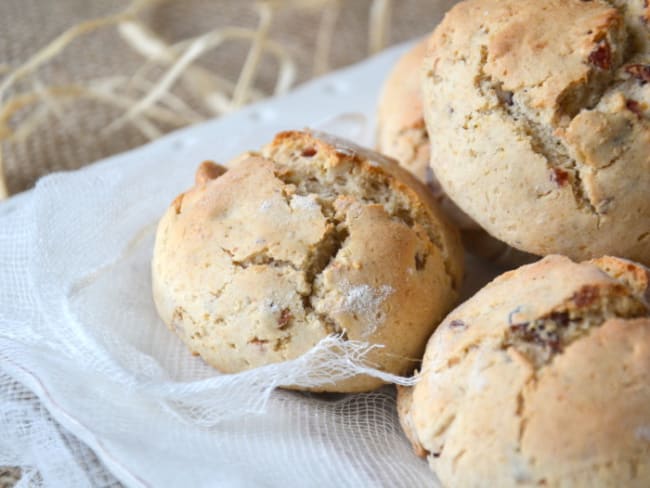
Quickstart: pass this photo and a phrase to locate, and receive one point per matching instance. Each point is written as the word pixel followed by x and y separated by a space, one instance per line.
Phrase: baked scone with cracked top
pixel 540 379
pixel 539 115
pixel 402 135
pixel 312 236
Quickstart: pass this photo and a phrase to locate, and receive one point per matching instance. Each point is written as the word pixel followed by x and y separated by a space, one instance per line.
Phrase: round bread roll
pixel 539 115
pixel 310 237
pixel 402 135
pixel 540 379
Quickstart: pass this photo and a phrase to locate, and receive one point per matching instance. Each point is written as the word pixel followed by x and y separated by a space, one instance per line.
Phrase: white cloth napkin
pixel 85 361
pixel 88 369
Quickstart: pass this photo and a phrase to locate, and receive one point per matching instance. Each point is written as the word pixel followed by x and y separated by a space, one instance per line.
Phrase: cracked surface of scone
pixel 540 379
pixel 312 236
pixel 539 118
pixel 402 135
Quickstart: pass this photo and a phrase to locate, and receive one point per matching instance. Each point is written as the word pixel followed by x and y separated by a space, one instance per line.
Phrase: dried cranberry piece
pixel 560 318
pixel 635 107
pixel 601 57
pixel 559 176
pixel 586 296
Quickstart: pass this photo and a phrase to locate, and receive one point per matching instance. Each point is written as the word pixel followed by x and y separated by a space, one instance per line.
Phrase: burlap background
pixel 70 134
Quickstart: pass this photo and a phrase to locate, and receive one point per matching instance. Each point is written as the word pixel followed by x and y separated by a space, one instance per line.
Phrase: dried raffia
pixel 324 38
pixel 379 22
pixel 147 99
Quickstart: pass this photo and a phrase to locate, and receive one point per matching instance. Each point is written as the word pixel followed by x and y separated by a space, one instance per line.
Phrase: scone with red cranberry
pixel 310 237
pixel 540 379
pixel 538 114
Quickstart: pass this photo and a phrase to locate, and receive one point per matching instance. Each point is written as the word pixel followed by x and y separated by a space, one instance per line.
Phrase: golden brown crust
pixel 404 403
pixel 340 152
pixel 540 379
pixel 539 119
pixel 634 275
pixel 260 264
pixel 208 170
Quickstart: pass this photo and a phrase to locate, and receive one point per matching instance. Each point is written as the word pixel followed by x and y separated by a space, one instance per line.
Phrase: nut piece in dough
pixel 540 379
pixel 539 118
pixel 310 237
pixel 402 135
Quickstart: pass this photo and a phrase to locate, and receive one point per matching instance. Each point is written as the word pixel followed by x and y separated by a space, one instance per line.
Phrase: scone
pixel 402 135
pixel 540 379
pixel 539 118
pixel 310 237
